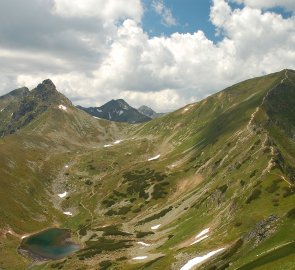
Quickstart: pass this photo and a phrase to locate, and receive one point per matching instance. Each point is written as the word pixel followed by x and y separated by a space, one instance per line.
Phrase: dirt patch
pixel 187 184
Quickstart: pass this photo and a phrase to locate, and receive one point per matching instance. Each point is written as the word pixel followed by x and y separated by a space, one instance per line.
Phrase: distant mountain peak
pixel 149 112
pixel 117 110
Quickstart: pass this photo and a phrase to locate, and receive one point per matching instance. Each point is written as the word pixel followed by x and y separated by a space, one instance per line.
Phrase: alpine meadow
pixel 147 135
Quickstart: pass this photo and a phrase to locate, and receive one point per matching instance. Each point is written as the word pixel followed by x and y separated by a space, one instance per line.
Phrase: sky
pixel 160 53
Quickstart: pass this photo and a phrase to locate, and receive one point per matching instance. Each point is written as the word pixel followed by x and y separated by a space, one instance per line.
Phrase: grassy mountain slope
pixel 225 163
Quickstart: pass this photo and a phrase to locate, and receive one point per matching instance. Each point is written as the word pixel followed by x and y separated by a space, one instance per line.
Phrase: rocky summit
pixel 117 110
pixel 147 111
pixel 209 186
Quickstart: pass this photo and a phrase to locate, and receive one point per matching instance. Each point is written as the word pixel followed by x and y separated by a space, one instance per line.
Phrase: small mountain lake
pixel 51 244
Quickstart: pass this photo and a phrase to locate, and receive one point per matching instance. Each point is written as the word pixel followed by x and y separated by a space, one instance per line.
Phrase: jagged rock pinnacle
pixel 46 85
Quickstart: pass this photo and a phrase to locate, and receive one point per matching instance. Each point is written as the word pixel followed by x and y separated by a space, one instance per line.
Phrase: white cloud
pixel 158 100
pixel 166 13
pixel 266 4
pixel 110 10
pixel 120 60
pixel 220 12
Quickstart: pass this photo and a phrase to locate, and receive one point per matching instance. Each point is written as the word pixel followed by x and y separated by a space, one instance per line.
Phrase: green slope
pixel 226 163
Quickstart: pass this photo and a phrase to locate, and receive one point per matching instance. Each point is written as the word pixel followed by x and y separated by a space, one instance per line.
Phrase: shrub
pixel 291 213
pixel 156 216
pixel 254 195
pixel 223 188
pixel 273 187
pixel 104 265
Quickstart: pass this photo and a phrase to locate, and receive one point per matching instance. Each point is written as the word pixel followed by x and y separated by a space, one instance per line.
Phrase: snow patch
pixel 154 158
pixel 118 141
pixel 140 258
pixel 156 227
pixel 96 117
pixel 98 110
pixel 66 166
pixel 144 244
pixel 62 107
pixel 68 213
pixel 202 233
pixel 198 260
pixel 107 145
pixel 62 195
pixel 187 108
pixel 199 240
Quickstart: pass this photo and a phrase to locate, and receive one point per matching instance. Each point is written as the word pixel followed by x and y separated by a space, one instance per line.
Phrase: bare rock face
pixel 262 230
pixel 28 105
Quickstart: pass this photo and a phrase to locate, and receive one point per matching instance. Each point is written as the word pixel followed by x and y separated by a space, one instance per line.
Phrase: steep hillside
pixel 117 110
pixel 8 105
pixel 213 180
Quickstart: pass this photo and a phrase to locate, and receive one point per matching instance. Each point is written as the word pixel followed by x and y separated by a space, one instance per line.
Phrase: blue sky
pixel 190 15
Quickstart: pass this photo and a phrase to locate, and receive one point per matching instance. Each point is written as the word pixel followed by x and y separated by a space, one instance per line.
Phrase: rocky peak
pixel 46 85
pixel 47 92
pixel 118 103
pixel 149 112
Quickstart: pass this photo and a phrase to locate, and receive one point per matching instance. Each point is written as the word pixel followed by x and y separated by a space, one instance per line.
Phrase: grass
pixel 110 185
pixel 270 257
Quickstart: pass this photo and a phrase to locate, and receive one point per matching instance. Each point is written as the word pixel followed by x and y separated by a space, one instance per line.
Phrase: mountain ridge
pixel 216 175
pixel 117 110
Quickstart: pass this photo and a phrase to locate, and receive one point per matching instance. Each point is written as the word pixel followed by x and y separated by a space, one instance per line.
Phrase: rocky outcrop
pixel 262 230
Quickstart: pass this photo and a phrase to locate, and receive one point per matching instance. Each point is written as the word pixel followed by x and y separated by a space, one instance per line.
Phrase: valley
pixel 209 186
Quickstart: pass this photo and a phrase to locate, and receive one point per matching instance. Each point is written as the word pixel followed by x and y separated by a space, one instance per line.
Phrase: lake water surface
pixel 51 244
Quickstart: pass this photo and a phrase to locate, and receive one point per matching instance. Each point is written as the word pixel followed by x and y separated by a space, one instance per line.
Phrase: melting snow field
pixel 110 145
pixel 144 244
pixel 62 195
pixel 66 166
pixel 62 107
pixel 201 236
pixel 156 227
pixel 154 158
pixel 68 213
pixel 202 233
pixel 107 145
pixel 140 258
pixel 198 260
pixel 199 240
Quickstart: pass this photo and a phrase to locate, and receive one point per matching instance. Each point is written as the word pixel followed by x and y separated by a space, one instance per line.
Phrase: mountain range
pixel 120 111
pixel 208 186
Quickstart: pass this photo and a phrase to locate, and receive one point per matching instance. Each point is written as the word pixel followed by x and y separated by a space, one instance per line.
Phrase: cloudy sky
pixel 161 53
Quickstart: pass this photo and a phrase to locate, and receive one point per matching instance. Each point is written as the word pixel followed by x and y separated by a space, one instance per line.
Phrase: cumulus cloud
pixel 166 13
pixel 108 10
pixel 97 57
pixel 266 4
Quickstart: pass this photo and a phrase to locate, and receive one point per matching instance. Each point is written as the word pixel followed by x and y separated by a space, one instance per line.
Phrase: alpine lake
pixel 50 244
